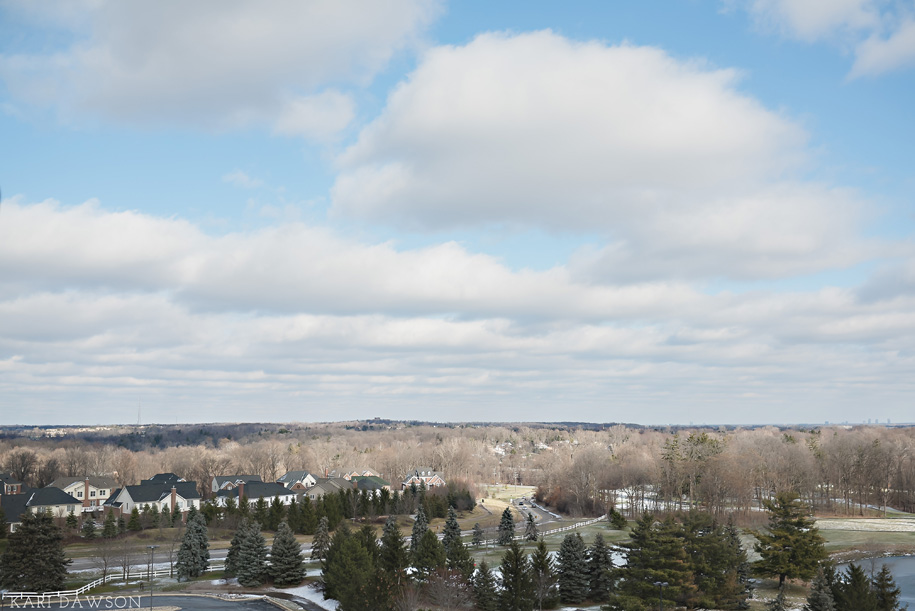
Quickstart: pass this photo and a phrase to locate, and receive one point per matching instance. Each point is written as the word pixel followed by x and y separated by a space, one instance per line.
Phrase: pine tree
pixel 600 566
pixel 485 588
pixel 72 522
pixel 231 565
pixel 275 514
pixel 855 592
pixel 194 553
pixel 820 597
pixel 261 513
pixel 287 565
pixel 348 572
pixel 110 528
pixel 793 547
pixel 506 528
pixel 420 526
pixel 165 518
pixel 452 530
pixel 88 531
pixel 394 557
pixel 251 559
pixel 122 525
pixel 517 583
pixel 430 555
pixel 572 570
pixel 459 559
pixel 478 534
pixel 544 576
pixel 885 591
pixel 530 529
pixel 134 522
pixel 154 516
pixel 717 560
pixel 321 541
pixel 309 519
pixel 294 516
pixel 34 559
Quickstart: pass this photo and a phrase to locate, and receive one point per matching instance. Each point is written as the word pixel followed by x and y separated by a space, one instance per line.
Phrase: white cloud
pixel 319 117
pixel 666 158
pixel 241 179
pixel 880 35
pixel 215 63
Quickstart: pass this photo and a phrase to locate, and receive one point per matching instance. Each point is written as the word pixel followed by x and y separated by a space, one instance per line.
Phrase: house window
pixel 178 504
pixel 69 508
pixel 101 493
pixel 79 494
pixel 92 493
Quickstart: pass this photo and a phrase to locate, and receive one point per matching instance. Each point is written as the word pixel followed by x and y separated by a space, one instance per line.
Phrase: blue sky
pixel 661 212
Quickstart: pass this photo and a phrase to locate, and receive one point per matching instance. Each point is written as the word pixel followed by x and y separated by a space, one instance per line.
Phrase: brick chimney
pixel 86 492
pixel 241 491
pixel 174 499
pixel 325 472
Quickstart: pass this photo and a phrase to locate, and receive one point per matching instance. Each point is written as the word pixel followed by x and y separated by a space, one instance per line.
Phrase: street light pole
pixel 661 585
pixel 151 549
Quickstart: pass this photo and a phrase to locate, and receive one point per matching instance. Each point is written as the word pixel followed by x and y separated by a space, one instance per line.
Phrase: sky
pixel 672 212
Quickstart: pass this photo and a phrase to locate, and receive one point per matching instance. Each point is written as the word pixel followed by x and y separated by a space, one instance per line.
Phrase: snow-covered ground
pixel 867 524
pixel 309 593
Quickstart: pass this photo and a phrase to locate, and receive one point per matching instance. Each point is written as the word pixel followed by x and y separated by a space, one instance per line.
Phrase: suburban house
pixel 372 483
pixel 9 484
pixel 52 500
pixel 297 480
pixel 178 496
pixel 351 473
pixel 91 491
pixel 254 491
pixel 327 485
pixel 229 482
pixel 423 475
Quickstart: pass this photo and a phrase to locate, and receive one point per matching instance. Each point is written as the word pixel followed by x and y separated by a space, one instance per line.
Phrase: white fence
pixel 36 598
pixel 550 532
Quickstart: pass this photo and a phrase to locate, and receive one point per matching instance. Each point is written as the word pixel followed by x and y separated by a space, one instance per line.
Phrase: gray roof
pixel 14 505
pixel 291 477
pixel 7 478
pixel 150 493
pixel 164 478
pixel 257 490
pixel 334 483
pixel 424 472
pixel 222 479
pixel 97 481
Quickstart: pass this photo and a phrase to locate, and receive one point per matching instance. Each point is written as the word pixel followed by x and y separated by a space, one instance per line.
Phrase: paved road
pixel 161 560
pixel 542 516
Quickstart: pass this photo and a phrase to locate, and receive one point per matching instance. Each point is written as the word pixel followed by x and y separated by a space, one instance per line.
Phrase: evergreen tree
pixel 459 559
pixel 792 548
pixel 194 553
pixel 276 514
pixel 885 591
pixel 110 528
pixel 231 565
pixel 655 553
pixel 165 517
pixel 134 522
pixel 600 567
pixel 778 603
pixel 718 562
pixel 617 520
pixel 34 559
pixel 348 572
pixel 145 517
pixel 261 513
pixel 430 555
pixel 572 570
pixel 309 519
pixel 820 597
pixel 485 588
pixel 251 560
pixel 287 565
pixel 394 557
pixel 478 534
pixel 294 516
pixel 544 576
pixel 452 530
pixel 420 526
pixel 855 591
pixel 506 528
pixel 369 541
pixel 154 516
pixel 530 529
pixel 72 522
pixel 321 541
pixel 88 531
pixel 517 583
pixel 122 525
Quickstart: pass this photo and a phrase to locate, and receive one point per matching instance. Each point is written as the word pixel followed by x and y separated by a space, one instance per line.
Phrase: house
pixel 91 491
pixel 372 483
pixel 297 480
pixel 254 491
pixel 52 500
pixel 327 485
pixel 179 496
pixel 423 475
pixel 229 482
pixel 9 484
pixel 351 473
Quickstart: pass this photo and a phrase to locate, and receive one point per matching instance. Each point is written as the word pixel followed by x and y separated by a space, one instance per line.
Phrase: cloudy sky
pixel 666 212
